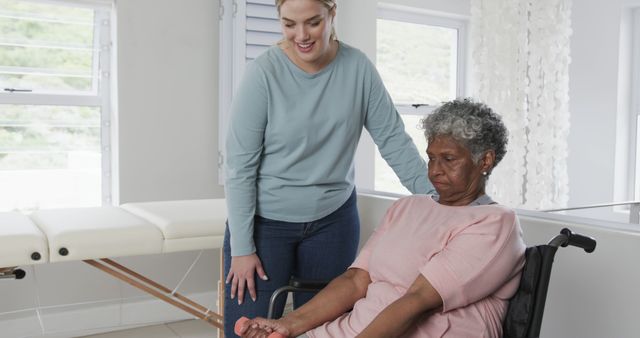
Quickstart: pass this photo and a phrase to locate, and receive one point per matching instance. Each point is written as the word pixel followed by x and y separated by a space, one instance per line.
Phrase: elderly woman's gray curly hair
pixel 471 123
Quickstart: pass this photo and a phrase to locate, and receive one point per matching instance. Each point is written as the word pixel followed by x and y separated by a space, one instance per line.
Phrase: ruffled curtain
pixel 520 53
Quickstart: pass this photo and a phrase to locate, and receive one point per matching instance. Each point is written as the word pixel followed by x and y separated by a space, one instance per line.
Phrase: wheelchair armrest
pixel 295 285
pixel 307 284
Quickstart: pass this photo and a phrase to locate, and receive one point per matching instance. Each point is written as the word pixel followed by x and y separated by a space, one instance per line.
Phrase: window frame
pixel 438 19
pixel 634 123
pixel 424 17
pixel 627 150
pixel 99 96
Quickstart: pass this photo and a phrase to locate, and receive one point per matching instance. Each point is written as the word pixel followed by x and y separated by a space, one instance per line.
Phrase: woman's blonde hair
pixel 329 4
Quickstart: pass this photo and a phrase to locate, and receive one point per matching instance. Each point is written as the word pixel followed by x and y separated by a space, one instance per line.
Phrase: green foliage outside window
pixel 45 47
pixel 415 61
pixel 39 137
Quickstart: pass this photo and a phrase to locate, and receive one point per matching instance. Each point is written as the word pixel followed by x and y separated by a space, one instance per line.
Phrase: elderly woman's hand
pixel 263 328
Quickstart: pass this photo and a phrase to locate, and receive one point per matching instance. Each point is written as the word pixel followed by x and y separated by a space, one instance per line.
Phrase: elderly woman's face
pixel 456 177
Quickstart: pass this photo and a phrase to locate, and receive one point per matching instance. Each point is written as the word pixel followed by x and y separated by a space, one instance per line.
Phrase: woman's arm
pixel 400 315
pixel 244 144
pixel 396 147
pixel 331 302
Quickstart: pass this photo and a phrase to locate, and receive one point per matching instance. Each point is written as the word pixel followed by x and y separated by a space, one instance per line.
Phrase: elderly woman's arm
pixel 331 302
pixel 400 315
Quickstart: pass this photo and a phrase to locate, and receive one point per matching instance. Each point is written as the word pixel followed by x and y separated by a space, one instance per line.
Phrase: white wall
pixel 168 93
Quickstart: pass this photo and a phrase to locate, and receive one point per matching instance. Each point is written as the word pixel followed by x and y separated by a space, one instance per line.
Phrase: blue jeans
pixel 321 249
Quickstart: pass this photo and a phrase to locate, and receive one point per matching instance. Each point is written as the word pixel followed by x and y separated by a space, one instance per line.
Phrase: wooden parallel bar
pixel 123 268
pixel 204 315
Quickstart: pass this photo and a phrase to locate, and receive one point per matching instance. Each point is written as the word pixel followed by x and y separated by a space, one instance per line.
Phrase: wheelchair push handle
pixel 242 320
pixel 585 242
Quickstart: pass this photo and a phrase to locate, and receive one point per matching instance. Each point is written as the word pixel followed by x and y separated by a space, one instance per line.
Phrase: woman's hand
pixel 262 328
pixel 242 272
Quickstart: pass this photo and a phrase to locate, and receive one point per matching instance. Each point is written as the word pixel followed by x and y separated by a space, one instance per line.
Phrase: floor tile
pixel 156 331
pixel 193 329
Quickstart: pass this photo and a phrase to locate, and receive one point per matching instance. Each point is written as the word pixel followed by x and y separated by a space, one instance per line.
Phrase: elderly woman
pixel 437 266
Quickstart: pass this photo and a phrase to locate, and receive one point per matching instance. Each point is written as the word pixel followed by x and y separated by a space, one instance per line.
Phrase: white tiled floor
pixel 183 329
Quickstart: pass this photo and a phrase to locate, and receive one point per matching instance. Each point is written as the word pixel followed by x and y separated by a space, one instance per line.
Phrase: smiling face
pixel 306 26
pixel 458 179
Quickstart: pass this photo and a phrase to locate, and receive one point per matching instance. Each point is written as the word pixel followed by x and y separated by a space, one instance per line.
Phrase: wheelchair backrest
pixel 526 307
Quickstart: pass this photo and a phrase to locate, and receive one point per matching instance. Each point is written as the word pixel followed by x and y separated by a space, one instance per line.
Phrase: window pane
pixel 46 47
pixel 385 178
pixel 417 62
pixel 50 156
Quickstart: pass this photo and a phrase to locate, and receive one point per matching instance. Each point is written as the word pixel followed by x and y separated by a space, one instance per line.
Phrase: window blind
pixel 262 27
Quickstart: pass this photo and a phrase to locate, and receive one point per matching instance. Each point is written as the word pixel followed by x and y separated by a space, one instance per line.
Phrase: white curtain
pixel 521 69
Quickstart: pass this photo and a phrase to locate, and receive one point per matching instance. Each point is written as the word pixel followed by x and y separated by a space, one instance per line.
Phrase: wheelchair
pixel 526 307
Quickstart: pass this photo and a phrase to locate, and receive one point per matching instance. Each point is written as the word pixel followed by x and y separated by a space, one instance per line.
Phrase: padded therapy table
pixel 96 235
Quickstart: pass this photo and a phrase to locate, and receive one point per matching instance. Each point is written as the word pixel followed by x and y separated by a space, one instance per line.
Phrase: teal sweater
pixel 293 135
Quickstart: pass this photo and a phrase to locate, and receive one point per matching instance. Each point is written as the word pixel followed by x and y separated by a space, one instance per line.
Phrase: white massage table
pixel 95 235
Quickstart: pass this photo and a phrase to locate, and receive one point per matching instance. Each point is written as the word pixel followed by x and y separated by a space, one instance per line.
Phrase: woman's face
pixel 456 177
pixel 306 25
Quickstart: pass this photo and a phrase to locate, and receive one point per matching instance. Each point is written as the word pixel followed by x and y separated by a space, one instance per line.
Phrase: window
pixel 420 58
pixel 627 156
pixel 54 103
pixel 635 98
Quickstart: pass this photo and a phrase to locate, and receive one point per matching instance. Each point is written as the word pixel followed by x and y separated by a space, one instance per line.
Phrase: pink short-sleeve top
pixel 472 255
